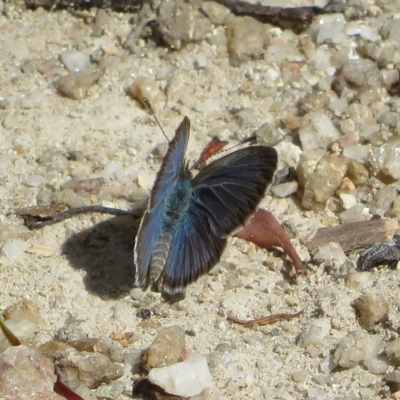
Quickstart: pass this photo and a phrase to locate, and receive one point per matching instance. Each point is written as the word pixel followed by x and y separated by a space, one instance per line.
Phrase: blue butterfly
pixel 184 230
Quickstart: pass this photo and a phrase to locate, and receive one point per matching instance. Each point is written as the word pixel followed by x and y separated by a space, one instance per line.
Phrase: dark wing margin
pixel 194 251
pixel 229 189
pixel 151 224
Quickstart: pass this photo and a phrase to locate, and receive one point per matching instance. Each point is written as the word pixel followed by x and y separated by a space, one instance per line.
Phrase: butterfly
pixel 184 230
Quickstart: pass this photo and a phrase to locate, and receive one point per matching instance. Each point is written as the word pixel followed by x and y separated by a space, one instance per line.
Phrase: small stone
pixel 26 309
pixel 14 248
pixel 331 29
pixel 322 183
pixel 372 309
pixel 317 131
pixel 355 347
pixel 76 84
pixel 392 350
pixel 10 121
pixel 24 329
pixel 247 38
pixel 92 369
pixel 34 181
pixel 357 173
pixel 187 378
pixel 358 280
pixel 347 200
pixel 331 254
pixel 180 23
pixel 383 200
pixel 111 391
pixel 215 12
pixel 25 373
pixel 356 213
pixel 386 158
pixel 166 348
pixel 375 365
pixel 316 332
pixel 285 189
pixel 145 87
pixel 75 61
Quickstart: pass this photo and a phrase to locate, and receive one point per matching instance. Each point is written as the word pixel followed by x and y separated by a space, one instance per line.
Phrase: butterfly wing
pixel 225 194
pixel 151 224
pixel 229 189
pixel 193 252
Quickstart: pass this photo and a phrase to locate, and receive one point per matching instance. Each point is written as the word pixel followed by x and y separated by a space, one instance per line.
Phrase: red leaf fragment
pixel 63 390
pixel 214 146
pixel 265 231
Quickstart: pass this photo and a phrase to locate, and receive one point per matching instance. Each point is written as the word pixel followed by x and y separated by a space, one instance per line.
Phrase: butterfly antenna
pixel 153 113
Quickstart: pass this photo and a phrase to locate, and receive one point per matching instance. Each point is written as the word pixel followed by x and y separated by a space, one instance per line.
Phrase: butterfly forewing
pixel 151 224
pixel 229 189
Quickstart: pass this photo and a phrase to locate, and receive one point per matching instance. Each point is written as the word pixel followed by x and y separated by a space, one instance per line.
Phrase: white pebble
pixel 111 168
pixel 331 29
pixel 356 152
pixel 14 248
pixel 330 254
pixel 75 61
pixel 34 180
pixel 358 280
pixel 347 200
pixel 187 378
pixel 317 131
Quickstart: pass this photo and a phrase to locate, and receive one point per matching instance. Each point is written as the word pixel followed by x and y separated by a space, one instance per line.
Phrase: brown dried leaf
pixel 265 231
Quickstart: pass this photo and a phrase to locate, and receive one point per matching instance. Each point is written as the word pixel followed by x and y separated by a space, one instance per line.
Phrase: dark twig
pixel 33 222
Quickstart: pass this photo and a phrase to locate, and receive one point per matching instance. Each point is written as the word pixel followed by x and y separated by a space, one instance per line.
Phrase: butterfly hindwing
pixel 229 189
pixel 151 224
pixel 193 252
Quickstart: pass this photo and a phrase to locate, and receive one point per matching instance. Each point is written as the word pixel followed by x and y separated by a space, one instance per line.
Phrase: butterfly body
pixel 183 232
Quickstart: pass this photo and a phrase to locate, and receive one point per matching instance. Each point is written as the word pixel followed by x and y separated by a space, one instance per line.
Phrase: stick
pixel 354 235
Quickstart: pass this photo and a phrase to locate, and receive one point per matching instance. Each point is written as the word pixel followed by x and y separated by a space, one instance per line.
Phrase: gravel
pixel 73 130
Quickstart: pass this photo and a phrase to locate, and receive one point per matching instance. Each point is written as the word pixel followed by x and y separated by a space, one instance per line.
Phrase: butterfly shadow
pixel 105 252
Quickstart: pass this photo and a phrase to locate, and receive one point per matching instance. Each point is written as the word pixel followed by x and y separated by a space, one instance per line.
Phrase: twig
pixel 32 222
pixel 354 235
pixel 271 319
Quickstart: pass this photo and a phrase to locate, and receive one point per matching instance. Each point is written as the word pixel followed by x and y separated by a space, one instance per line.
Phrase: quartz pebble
pixel 247 38
pixel 187 378
pixel 372 309
pixel 316 332
pixel 76 84
pixel 26 309
pixel 166 348
pixel 75 61
pixel 317 131
pixel 88 368
pixel 14 248
pixel 180 23
pixel 358 280
pixel 330 254
pixel 355 347
pixel 145 87
pixel 320 184
pixel 25 374
pixel 392 350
